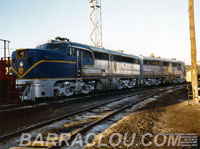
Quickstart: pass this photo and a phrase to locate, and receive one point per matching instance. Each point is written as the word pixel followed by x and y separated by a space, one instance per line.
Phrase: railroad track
pixel 18 106
pixel 22 106
pixel 47 102
pixel 83 120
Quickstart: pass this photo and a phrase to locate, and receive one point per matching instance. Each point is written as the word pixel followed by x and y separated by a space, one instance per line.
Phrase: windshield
pixel 55 46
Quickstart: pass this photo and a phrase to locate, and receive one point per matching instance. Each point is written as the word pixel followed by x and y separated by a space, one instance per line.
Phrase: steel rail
pixel 39 104
pixel 39 125
pixel 104 118
pixel 5 108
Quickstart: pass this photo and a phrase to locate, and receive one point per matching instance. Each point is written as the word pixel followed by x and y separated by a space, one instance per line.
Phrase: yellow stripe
pixel 107 74
pixel 42 61
pixel 15 71
pixel 158 75
pixel 88 66
pixel 49 79
pixel 69 78
pixel 20 49
pixel 47 61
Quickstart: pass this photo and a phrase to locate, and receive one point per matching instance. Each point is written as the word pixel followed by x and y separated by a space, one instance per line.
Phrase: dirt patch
pixel 170 115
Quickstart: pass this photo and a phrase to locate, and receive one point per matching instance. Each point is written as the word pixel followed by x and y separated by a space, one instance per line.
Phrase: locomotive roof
pixel 115 52
pixel 104 50
pixel 94 48
pixel 162 59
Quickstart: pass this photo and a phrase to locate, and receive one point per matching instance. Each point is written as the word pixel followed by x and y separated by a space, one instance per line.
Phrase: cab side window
pixel 179 67
pixel 71 51
pixel 87 54
pixel 165 64
pixel 146 62
pixel 101 56
pixel 57 46
pixel 78 52
pixel 174 64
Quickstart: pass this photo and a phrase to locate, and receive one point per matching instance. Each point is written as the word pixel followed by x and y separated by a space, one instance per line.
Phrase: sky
pixel 136 27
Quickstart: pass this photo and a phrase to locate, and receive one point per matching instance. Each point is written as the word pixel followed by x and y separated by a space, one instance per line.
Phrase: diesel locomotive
pixel 63 68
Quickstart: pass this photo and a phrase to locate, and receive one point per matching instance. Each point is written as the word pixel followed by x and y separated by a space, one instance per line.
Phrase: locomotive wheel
pixel 99 86
pixel 175 81
pixel 157 82
pixel 130 85
pixel 69 91
pixel 120 86
pixel 163 81
pixel 56 93
pixel 85 89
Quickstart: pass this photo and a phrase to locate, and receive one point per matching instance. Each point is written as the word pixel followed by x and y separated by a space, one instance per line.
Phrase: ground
pixel 169 114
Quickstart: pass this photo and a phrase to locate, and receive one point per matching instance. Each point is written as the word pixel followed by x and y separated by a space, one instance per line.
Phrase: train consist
pixel 63 68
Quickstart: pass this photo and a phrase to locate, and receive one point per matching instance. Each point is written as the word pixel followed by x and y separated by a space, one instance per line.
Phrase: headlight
pixel 21 54
pixel 21 64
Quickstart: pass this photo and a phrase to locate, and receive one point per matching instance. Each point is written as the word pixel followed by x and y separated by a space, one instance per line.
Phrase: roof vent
pixel 173 58
pixel 50 41
pixel 61 39
pixel 152 55
pixel 119 51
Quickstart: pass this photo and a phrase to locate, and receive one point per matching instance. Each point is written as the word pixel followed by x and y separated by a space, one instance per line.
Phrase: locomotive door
pixel 110 67
pixel 79 63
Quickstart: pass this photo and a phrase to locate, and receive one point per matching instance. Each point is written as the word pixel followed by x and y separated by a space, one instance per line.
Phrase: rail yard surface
pixel 169 114
pixel 151 115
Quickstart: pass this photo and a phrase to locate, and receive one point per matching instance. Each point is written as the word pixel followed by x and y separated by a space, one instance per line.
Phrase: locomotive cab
pixel 40 70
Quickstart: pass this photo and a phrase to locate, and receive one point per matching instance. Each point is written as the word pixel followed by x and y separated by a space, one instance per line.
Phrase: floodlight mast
pixel 95 23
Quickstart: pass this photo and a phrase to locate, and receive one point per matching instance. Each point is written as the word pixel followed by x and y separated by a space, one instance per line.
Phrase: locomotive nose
pixel 21 55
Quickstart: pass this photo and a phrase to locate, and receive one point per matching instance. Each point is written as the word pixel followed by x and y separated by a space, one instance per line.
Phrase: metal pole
pixel 101 38
pixel 95 26
pixel 95 23
pixel 5 49
pixel 194 73
pixel 8 48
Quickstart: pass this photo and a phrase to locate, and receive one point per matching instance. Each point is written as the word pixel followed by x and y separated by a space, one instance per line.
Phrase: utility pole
pixel 194 73
pixel 95 23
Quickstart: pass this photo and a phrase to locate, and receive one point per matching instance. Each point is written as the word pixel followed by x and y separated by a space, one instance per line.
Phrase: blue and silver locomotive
pixel 63 68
